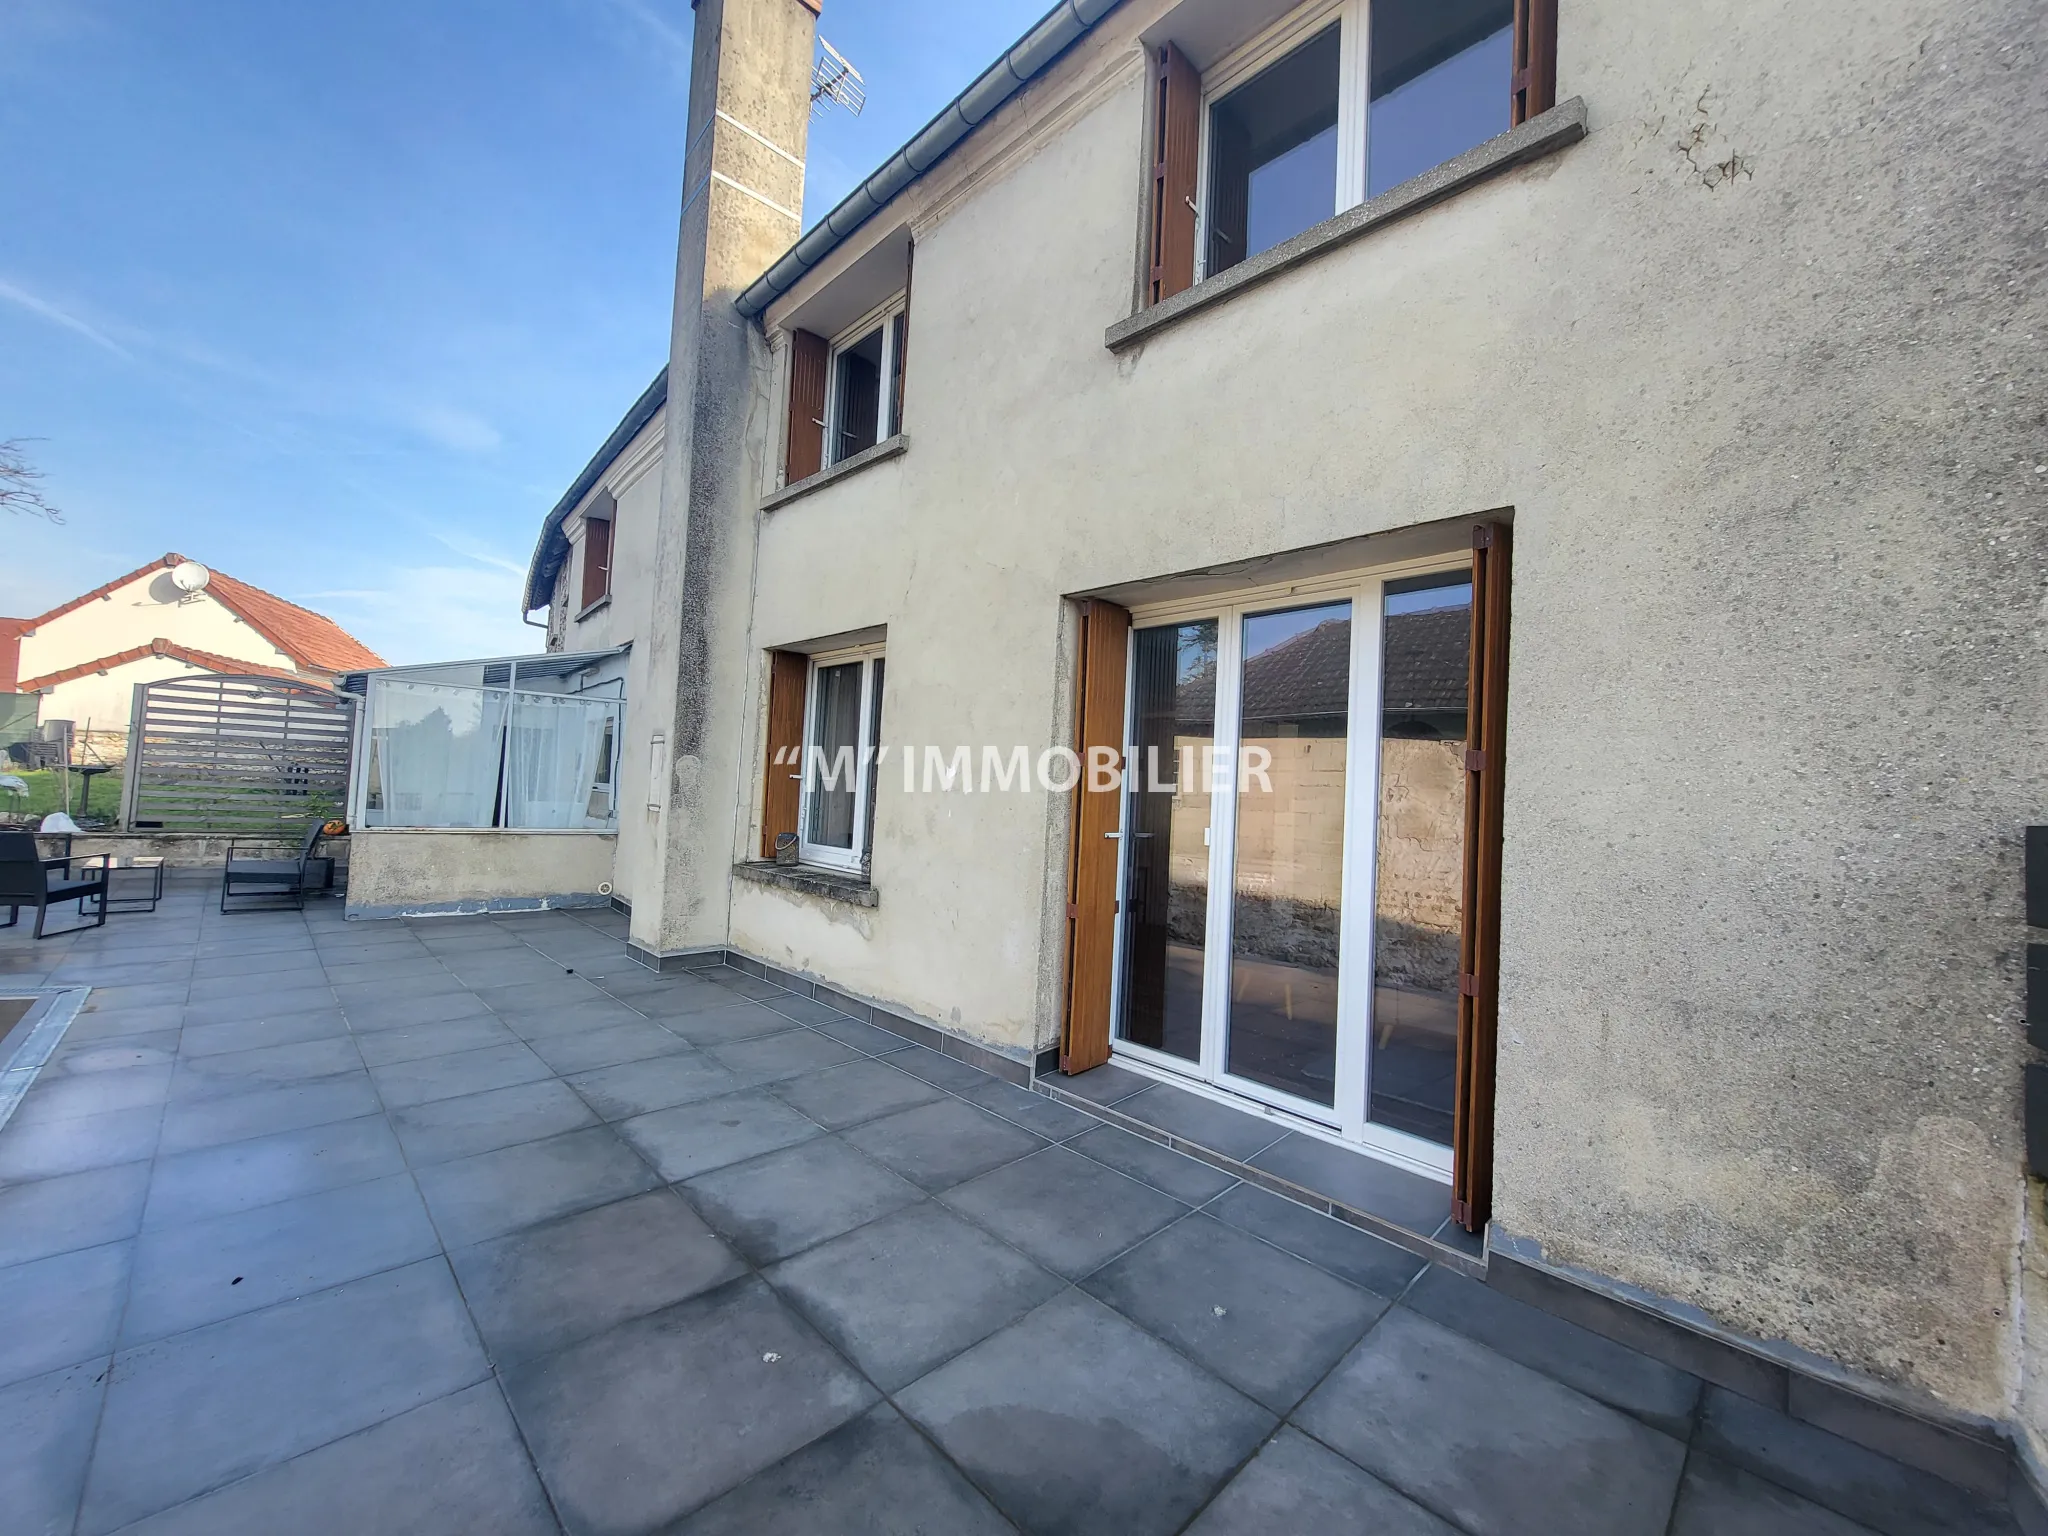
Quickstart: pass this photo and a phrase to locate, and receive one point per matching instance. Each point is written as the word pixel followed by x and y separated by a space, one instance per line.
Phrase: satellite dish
pixel 190 576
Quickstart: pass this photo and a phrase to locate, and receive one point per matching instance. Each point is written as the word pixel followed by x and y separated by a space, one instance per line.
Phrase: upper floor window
pixel 847 345
pixel 597 555
pixel 1337 103
pixel 864 398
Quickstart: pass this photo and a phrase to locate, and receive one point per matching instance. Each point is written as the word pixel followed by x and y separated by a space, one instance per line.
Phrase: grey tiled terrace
pixel 471 1225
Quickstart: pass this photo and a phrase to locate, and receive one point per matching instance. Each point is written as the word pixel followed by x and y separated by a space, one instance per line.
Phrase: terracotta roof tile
pixel 233 666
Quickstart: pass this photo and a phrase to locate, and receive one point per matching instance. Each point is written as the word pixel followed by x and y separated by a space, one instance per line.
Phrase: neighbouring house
pixel 1202 387
pixel 169 618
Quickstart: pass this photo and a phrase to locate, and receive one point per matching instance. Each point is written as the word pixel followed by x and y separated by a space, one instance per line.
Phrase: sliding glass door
pixel 1292 843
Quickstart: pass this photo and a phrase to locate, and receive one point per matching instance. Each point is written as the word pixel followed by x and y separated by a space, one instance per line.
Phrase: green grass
pixel 45 794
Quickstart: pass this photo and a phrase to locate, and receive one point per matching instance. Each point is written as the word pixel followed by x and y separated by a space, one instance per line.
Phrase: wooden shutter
pixel 788 674
pixel 1479 947
pixel 805 456
pixel 1534 81
pixel 1092 862
pixel 1176 151
pixel 597 559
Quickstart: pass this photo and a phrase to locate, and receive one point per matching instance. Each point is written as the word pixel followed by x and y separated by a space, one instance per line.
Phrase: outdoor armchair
pixel 27 879
pixel 272 880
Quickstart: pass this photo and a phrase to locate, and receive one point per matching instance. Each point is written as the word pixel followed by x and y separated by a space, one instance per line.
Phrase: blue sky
pixel 339 298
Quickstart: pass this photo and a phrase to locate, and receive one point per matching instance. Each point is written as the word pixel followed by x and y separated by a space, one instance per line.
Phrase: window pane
pixel 1420 887
pixel 558 761
pixel 859 398
pixel 1440 83
pixel 1273 154
pixel 1166 889
pixel 867 837
pixel 835 740
pixel 900 336
pixel 435 753
pixel 1290 850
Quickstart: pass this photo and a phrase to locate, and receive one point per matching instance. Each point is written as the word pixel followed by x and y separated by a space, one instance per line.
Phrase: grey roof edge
pixel 552 546
pixel 1032 54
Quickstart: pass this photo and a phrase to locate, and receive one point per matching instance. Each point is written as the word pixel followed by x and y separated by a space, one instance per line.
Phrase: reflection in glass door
pixel 1166 834
pixel 1419 881
pixel 1288 883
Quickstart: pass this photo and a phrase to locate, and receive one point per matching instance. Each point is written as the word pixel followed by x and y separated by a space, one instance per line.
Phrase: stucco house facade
pixel 1555 485
pixel 85 657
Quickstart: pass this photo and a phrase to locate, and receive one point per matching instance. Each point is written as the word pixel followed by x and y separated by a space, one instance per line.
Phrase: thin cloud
pixel 43 309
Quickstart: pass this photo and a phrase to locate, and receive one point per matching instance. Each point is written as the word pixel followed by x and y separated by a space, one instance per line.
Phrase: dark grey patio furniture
pixel 273 881
pixel 27 879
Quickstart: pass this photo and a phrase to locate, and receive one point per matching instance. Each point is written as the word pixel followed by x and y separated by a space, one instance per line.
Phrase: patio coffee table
pixel 135 882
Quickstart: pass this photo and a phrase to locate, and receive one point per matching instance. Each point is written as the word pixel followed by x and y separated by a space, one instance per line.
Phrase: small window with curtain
pixel 841 756
pixel 864 384
pixel 1337 103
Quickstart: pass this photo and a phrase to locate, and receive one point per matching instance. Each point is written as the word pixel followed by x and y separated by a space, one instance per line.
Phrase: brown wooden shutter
pixel 1092 862
pixel 1176 152
pixel 788 675
pixel 597 559
pixel 805 456
pixel 1479 947
pixel 1534 81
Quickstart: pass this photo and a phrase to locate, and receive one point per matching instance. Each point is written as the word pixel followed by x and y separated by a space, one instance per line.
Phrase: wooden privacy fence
pixel 236 754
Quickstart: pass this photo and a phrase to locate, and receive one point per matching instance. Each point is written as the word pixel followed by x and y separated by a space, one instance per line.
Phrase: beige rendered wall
pixel 1756 367
pixel 148 608
pixel 394 871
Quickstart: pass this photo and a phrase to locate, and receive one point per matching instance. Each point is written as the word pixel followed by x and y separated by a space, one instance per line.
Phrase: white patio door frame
pixel 1344 1120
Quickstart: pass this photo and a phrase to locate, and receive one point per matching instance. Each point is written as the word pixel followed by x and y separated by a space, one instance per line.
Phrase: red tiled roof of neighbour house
pixel 10 652
pixel 233 666
pixel 312 640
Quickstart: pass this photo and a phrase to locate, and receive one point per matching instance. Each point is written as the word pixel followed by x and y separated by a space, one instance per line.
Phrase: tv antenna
pixel 834 81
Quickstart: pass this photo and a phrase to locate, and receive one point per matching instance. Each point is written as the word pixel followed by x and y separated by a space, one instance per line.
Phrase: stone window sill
pixel 1544 134
pixel 602 602
pixel 829 884
pixel 887 448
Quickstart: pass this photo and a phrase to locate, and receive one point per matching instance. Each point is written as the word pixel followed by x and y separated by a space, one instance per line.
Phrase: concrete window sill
pixel 602 602
pixel 887 448
pixel 1542 135
pixel 830 884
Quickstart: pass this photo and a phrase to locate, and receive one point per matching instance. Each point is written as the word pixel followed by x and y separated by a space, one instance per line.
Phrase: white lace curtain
pixel 439 754
pixel 558 755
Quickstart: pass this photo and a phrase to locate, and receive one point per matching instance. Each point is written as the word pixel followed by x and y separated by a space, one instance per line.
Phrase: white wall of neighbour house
pixel 107 701
pixel 1752 365
pixel 634 481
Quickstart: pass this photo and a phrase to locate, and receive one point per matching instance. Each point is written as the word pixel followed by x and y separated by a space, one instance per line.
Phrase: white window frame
pixel 886 426
pixel 1354 86
pixel 1345 1120
pixel 854 858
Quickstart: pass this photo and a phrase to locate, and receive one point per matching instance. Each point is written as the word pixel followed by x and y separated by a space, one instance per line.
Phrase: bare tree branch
pixel 18 477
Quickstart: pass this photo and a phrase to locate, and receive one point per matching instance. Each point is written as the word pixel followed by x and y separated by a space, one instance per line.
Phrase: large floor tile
pixel 1233 1132
pixel 587 1050
pixel 209 1077
pixel 454 1467
pixel 43 1150
pixel 265 1111
pixel 902 1294
pixel 480 1197
pixel 843 1096
pixel 1324 1241
pixel 446 1129
pixel 950 1073
pixel 405 1083
pixel 874 1476
pixel 1660 1395
pixel 1266 1322
pixel 644 1423
pixel 444 1037
pixel 1296 1486
pixel 1409 1200
pixel 1105 1084
pixel 1185 1178
pixel 66 1097
pixel 779 1204
pixel 1491 1445
pixel 75 1210
pixel 1885 1495
pixel 866 1038
pixel 61 1310
pixel 775 1057
pixel 539 1289
pixel 1069 1213
pixel 239 1175
pixel 940 1144
pixel 1715 1499
pixel 1073 1420
pixel 399 1012
pixel 1034 1111
pixel 46 1441
pixel 275 1383
pixel 640 1087
pixel 249 1034
pixel 202 1271
pixel 695 1138
pixel 265 1003
pixel 543 1020
pixel 727 1024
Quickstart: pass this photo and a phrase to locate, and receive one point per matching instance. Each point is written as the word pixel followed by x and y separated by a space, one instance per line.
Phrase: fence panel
pixel 239 754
